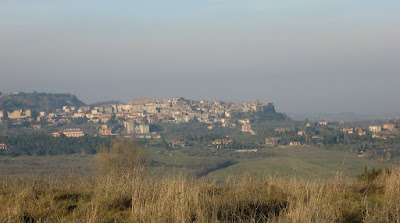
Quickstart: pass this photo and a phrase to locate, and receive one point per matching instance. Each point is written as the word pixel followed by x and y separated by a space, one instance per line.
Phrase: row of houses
pixel 378 128
pixel 374 129
pixel 352 130
pixel 277 140
pixel 70 133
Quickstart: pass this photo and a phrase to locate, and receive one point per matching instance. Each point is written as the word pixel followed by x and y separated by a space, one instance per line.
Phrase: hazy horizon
pixel 305 56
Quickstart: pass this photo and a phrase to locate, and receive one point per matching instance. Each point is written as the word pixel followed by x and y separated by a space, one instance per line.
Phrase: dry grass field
pixel 120 190
pixel 43 166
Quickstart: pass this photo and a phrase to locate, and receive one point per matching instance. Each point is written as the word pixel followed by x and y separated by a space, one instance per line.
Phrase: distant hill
pixel 38 101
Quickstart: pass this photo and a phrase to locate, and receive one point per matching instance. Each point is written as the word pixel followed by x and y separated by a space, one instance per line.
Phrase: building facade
pixel 375 128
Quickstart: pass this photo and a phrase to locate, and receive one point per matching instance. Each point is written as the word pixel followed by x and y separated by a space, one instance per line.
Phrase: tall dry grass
pixel 121 191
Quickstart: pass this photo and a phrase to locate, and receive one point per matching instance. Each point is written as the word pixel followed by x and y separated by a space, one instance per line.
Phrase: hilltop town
pixel 185 123
pixel 137 115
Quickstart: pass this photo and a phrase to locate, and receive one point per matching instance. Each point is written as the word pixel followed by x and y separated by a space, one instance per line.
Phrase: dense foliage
pixel 40 144
pixel 38 101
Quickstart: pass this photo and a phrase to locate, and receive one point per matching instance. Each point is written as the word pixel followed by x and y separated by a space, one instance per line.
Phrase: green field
pixel 302 162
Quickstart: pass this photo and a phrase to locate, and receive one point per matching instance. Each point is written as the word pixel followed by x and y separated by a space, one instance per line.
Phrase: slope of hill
pixel 38 101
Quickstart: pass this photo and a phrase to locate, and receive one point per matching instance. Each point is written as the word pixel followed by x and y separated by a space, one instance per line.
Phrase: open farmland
pixel 302 162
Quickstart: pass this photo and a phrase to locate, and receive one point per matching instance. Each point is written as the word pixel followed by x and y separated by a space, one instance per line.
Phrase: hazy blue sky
pixel 308 55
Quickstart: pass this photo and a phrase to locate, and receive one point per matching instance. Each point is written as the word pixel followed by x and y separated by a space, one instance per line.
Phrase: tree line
pixel 41 144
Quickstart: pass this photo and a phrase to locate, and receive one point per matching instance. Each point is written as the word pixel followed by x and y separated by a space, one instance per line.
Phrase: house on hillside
pixel 74 133
pixel 246 127
pixel 71 133
pixel 222 142
pixel 56 134
pixel 3 146
pixel 389 126
pixel 105 130
pixel 272 140
pixel 323 123
pixel 362 133
pixel 375 128
pixel 348 130
pixel 301 133
pixel 177 144
pixel 142 129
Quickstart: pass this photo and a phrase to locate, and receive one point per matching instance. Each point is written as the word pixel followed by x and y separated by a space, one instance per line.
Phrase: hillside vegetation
pixel 38 101
pixel 122 191
pixel 42 144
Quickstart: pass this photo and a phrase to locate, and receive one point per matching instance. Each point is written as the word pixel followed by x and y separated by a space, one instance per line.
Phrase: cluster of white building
pixel 136 115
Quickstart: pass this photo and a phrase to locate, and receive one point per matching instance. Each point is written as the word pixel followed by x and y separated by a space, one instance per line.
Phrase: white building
pixel 129 126
pixel 375 128
pixel 142 129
